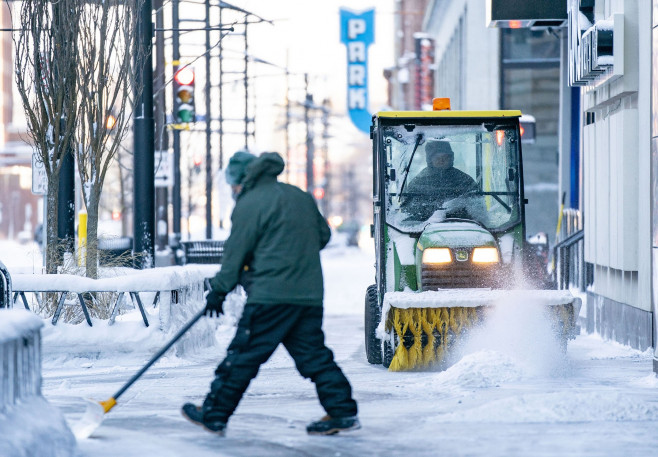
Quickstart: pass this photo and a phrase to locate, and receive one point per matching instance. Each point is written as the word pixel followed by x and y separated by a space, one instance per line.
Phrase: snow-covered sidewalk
pixel 511 394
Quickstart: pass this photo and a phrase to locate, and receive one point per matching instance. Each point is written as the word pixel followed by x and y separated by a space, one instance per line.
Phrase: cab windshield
pixel 452 171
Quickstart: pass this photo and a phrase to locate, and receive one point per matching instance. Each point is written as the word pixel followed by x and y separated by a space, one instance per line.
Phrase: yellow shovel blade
pixel 92 418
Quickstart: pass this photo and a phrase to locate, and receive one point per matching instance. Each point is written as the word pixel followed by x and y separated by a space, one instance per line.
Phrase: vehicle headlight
pixel 437 255
pixel 485 255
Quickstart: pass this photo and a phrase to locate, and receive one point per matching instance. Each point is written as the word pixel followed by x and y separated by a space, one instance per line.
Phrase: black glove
pixel 214 302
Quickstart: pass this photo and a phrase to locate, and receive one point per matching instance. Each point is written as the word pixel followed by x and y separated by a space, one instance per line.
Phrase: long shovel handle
pixel 95 411
pixel 159 354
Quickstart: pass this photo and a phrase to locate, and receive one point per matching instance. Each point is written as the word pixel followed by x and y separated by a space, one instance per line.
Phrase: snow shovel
pixel 96 411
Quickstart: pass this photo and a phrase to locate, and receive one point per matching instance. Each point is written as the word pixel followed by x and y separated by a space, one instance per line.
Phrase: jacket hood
pixel 237 167
pixel 267 165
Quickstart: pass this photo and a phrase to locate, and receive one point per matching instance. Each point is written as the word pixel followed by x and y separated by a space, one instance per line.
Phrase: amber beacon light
pixel 441 104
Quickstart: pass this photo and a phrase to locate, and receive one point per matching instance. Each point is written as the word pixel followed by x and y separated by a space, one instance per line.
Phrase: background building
pixel 616 146
pixel 584 71
pixel 481 68
pixel 609 160
pixel 19 208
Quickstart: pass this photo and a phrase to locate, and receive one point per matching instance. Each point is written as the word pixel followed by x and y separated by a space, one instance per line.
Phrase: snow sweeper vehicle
pixel 449 232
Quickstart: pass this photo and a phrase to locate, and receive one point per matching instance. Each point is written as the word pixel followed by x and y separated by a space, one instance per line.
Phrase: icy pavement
pixel 511 394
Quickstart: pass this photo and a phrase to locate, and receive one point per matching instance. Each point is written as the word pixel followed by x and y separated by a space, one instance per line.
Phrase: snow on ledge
pixel 15 323
pixel 151 280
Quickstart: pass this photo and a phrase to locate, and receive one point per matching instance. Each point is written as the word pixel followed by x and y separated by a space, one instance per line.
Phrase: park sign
pixel 357 32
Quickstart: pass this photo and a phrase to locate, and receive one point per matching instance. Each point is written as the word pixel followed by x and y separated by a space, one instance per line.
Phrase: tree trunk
pixel 52 240
pixel 122 195
pixel 92 234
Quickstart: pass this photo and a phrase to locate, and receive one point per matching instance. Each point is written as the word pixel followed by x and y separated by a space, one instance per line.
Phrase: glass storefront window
pixel 654 82
pixel 654 190
pixel 529 45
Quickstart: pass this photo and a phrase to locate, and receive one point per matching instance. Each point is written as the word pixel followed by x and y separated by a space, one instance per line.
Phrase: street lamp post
pixel 144 190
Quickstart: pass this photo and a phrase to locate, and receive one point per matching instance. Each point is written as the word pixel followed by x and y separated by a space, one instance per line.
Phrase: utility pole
pixel 246 85
pixel 221 112
pixel 66 202
pixel 176 192
pixel 144 193
pixel 66 195
pixel 325 155
pixel 287 133
pixel 161 134
pixel 310 184
pixel 208 131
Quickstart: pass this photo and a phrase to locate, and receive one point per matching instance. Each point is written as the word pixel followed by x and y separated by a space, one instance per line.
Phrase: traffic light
pixel 197 164
pixel 318 193
pixel 184 111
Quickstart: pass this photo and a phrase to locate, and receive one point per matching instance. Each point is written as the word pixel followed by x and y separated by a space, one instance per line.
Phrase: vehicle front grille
pixel 457 274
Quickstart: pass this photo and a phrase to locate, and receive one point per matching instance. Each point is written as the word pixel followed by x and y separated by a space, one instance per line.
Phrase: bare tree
pixel 75 76
pixel 46 59
pixel 108 34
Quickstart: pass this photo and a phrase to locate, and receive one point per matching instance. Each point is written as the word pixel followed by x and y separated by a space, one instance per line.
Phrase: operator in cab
pixel 438 186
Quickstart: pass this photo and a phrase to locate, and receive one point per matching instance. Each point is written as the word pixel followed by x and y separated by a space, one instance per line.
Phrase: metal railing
pixel 176 288
pixel 20 367
pixel 572 222
pixel 571 270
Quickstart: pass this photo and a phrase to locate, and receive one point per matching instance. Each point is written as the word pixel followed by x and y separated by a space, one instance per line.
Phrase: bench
pixel 203 252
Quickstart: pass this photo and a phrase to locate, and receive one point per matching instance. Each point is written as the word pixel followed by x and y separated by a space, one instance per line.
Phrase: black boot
pixel 330 426
pixel 194 414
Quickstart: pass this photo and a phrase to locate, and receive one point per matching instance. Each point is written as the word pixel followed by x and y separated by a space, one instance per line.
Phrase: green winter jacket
pixel 276 236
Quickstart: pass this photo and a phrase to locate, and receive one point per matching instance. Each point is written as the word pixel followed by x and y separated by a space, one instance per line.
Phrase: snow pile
pixel 611 349
pixel 649 381
pixel 35 428
pixel 17 322
pixel 480 370
pixel 522 331
pixel 555 407
pixel 28 424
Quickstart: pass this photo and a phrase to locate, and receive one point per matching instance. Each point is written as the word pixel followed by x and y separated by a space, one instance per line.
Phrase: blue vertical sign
pixel 357 32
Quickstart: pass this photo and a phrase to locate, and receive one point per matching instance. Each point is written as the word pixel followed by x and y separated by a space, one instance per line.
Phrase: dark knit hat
pixel 435 147
pixel 237 167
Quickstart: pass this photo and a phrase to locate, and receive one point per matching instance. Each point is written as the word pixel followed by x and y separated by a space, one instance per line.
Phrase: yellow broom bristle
pixel 400 360
pixel 429 324
pixel 428 321
pixel 416 349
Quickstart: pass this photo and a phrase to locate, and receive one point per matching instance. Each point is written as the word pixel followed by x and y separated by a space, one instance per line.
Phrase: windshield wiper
pixel 419 138
pixel 500 200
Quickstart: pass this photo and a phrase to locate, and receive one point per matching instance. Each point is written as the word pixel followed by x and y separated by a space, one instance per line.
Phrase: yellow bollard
pixel 82 238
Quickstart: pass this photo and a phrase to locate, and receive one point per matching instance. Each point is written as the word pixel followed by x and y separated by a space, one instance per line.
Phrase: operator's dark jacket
pixel 277 233
pixel 433 187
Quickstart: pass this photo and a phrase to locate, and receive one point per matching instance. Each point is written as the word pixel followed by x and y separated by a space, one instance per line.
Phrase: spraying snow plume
pixel 522 330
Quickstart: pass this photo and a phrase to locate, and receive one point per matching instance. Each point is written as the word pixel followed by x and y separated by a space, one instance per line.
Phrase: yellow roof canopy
pixel 448 113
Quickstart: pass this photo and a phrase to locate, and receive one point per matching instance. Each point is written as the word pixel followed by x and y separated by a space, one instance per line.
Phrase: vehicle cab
pixel 448 198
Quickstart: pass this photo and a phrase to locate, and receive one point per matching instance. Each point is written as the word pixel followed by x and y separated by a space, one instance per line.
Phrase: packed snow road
pixel 513 393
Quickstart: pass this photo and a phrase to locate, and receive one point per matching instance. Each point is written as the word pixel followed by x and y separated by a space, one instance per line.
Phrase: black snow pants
pixel 260 330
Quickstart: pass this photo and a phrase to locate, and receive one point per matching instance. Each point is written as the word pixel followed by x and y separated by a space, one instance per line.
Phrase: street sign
pixel 164 169
pixel 39 179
